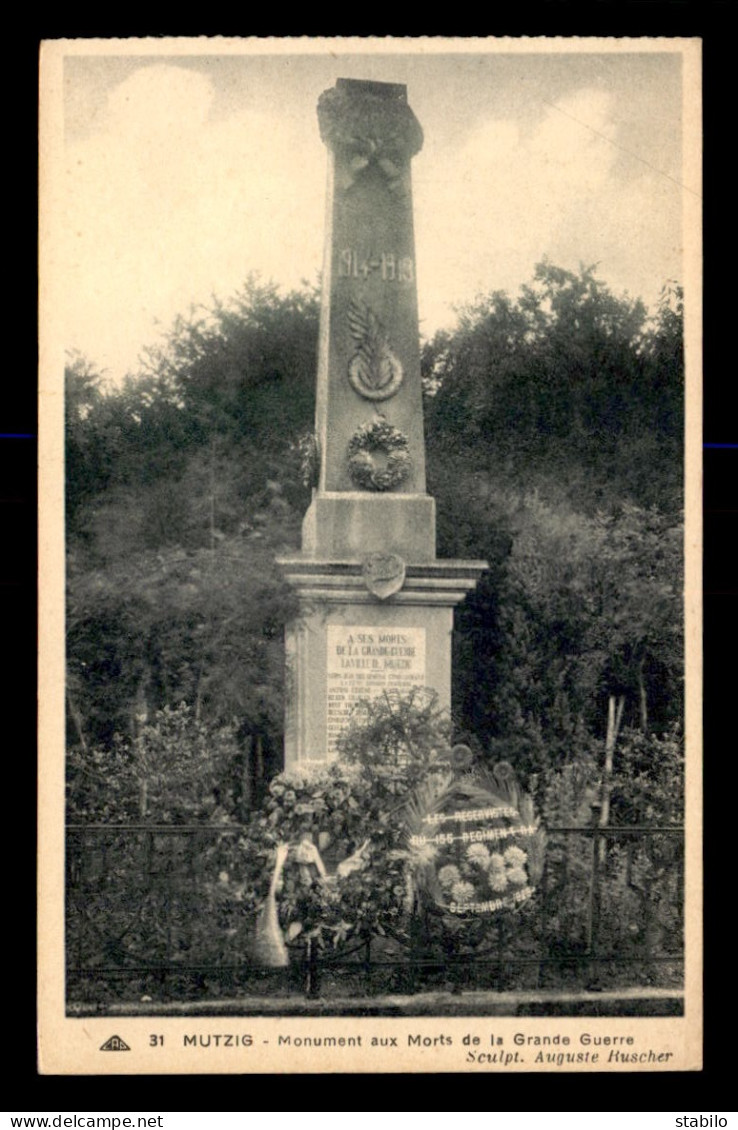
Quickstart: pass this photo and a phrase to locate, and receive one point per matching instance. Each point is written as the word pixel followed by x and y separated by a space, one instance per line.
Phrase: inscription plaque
pixel 363 661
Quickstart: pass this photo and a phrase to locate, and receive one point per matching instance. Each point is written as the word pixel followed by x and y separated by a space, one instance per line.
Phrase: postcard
pixel 370 616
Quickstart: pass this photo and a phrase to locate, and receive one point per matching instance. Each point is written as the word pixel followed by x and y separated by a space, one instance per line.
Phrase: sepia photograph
pixel 369 671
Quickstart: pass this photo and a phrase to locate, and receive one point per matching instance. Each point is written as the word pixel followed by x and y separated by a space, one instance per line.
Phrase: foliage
pixel 172 772
pixel 648 780
pixel 554 426
pixel 608 589
pixel 363 814
pixel 397 740
pixel 566 794
pixel 576 607
pixel 332 807
pixel 307 447
pixel 568 383
pixel 199 900
pixel 91 434
pixel 182 487
pixel 245 368
pixel 359 800
pixel 647 785
pixel 178 625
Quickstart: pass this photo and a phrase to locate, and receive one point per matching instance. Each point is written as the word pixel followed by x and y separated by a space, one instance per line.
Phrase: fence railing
pixel 141 919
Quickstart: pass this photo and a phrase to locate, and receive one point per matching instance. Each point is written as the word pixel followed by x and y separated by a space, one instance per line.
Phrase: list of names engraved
pixel 362 662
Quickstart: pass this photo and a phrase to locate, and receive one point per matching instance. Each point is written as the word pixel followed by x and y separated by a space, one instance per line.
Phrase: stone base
pixel 347 525
pixel 347 643
pixel 441 1002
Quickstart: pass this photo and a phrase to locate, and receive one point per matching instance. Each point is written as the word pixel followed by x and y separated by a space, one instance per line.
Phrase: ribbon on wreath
pixel 268 947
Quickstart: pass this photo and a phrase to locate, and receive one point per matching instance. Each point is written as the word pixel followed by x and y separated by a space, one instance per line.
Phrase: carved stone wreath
pixel 378 439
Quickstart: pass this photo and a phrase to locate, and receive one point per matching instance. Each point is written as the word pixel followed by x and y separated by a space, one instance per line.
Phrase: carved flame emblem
pixel 374 371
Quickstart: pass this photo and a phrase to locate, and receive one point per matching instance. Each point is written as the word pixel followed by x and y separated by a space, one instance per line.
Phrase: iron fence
pixel 141 920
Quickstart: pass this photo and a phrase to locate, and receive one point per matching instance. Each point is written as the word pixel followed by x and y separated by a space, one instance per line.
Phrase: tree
pixel 90 441
pixel 245 368
pixel 567 382
pixel 181 500
pixel 175 769
pixel 544 417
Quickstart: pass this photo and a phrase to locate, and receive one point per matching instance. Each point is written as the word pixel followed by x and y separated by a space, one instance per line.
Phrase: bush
pixel 172 773
pixel 358 814
pixel 648 781
pixel 174 898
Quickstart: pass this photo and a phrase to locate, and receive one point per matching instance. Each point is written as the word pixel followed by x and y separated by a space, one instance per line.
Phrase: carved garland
pixel 378 438
pixel 369 124
pixel 370 131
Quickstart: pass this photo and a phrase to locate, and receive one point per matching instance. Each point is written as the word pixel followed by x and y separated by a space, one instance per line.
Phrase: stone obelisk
pixel 376 604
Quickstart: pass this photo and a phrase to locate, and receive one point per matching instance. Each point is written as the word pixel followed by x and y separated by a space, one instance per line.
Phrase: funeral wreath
pixel 341 851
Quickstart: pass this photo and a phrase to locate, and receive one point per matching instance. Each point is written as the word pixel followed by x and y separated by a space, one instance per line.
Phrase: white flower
pixel 497 879
pixel 515 857
pixel 448 875
pixel 478 854
pixel 462 892
pixel 517 875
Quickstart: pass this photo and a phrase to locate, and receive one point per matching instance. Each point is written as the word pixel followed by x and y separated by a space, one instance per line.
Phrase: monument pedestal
pixel 349 645
pixel 344 525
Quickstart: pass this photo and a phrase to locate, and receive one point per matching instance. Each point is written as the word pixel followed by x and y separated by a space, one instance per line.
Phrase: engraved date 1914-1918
pixel 391 267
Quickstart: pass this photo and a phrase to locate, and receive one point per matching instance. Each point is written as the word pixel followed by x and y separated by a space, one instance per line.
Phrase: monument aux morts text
pixel 376 605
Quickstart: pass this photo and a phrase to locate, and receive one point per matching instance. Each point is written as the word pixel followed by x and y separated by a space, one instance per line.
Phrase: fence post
pixel 593 910
pixel 367 963
pixel 413 966
pixel 312 971
pixel 75 864
pixel 542 938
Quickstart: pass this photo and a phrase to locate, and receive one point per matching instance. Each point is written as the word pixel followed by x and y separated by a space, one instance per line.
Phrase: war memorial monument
pixel 376 604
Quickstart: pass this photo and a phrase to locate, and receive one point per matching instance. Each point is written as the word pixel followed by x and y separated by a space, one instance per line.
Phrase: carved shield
pixel 384 574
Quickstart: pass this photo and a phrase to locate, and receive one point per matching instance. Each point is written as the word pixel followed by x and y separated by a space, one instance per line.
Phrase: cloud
pixel 166 204
pixel 178 195
pixel 557 190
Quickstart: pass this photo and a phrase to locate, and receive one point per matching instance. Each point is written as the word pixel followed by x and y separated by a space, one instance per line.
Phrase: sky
pixel 185 172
